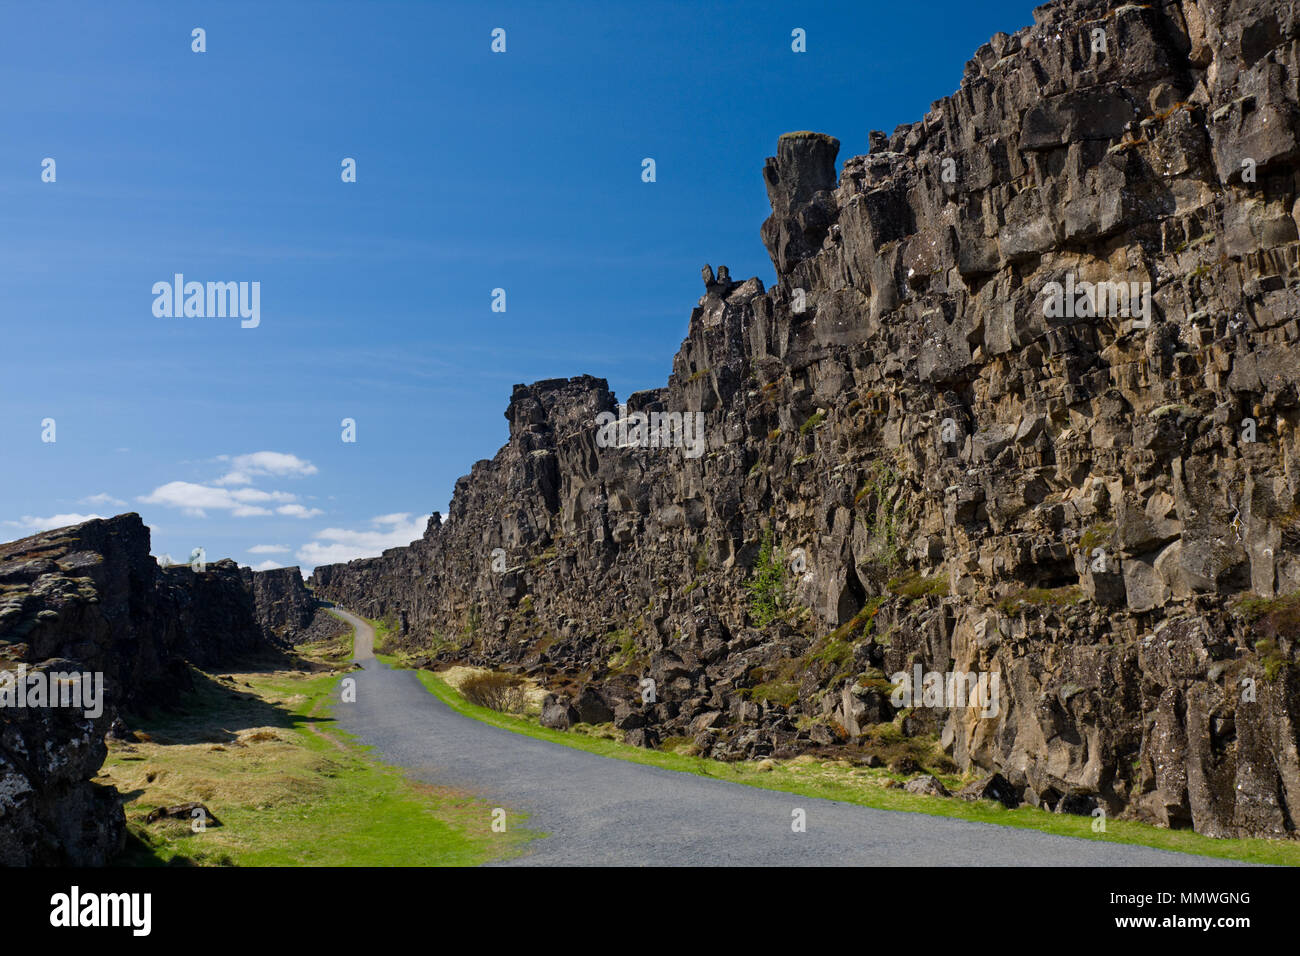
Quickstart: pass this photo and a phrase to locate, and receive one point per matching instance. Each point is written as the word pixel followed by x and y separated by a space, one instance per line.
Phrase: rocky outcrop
pixel 91 599
pixel 50 814
pixel 282 603
pixel 1022 403
pixel 213 611
pixel 93 594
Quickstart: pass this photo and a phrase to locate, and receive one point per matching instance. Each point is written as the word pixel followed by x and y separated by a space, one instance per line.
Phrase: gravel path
pixel 598 810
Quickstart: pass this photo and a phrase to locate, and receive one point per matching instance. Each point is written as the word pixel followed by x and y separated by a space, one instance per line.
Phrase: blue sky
pixel 475 171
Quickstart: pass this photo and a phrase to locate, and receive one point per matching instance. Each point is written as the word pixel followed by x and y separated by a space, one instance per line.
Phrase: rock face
pixel 90 598
pixel 50 814
pixel 949 437
pixel 284 606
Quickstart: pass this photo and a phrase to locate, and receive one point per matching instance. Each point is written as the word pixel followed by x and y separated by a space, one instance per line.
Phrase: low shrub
pixel 503 692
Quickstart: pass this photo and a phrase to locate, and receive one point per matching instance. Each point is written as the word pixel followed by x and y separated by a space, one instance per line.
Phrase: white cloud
pixel 198 498
pixel 247 495
pixel 277 463
pixel 269 549
pixel 267 566
pixel 336 545
pixel 194 499
pixel 29 523
pixel 298 511
pixel 103 499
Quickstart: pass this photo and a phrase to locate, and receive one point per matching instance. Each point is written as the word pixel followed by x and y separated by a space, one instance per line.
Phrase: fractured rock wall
pixel 957 473
pixel 281 601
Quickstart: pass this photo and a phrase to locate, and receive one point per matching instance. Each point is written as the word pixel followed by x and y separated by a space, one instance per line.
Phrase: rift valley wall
pixel 90 599
pixel 281 602
pixel 1101 509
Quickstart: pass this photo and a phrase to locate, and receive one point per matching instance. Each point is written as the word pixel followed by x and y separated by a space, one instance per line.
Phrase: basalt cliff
pixel 89 599
pixel 914 456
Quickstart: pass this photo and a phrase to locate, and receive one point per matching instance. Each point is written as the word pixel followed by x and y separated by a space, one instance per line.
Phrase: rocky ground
pixel 912 457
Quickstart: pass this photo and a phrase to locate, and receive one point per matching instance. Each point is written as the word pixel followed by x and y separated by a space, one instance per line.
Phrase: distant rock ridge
pixel 90 598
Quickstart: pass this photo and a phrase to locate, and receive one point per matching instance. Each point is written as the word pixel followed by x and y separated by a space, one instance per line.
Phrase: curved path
pixel 598 810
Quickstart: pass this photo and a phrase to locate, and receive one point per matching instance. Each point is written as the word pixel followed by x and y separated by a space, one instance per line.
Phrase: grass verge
pixel 260 750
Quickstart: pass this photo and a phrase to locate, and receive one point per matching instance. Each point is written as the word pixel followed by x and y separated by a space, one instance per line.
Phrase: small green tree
pixel 766 586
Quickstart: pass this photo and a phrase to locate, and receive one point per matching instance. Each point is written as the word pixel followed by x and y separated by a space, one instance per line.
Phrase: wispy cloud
pixel 33 524
pixel 269 549
pixel 335 545
pixel 197 500
pixel 244 468
pixel 298 511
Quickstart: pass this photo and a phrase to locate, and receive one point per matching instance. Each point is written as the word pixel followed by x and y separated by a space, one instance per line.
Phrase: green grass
pixel 383 631
pixel 1270 619
pixel 832 653
pixel 813 421
pixel 780 692
pixel 701 558
pixel 1051 597
pixel 1094 537
pixel 259 749
pixel 1279 615
pixel 1271 659
pixel 860 626
pixel 883 487
pixel 913 585
pixel 836 780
